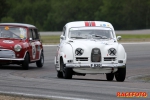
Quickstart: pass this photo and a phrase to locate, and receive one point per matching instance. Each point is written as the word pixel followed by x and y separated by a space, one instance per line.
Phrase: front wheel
pixel 110 76
pixel 67 72
pixel 59 74
pixel 40 62
pixel 25 63
pixel 120 74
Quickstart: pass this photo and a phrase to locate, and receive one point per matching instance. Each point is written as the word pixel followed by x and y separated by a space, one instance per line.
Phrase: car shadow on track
pixel 16 67
pixel 6 67
pixel 92 79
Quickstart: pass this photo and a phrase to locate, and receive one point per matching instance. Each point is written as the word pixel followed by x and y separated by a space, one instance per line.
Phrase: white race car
pixel 90 47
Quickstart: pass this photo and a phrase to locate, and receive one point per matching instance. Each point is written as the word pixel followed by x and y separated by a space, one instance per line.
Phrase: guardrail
pixel 144 31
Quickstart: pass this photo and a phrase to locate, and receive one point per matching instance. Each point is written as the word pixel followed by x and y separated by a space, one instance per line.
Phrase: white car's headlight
pixel 79 51
pixel 112 51
pixel 17 47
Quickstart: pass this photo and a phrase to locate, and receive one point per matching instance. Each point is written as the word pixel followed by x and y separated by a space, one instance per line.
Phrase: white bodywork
pixel 109 61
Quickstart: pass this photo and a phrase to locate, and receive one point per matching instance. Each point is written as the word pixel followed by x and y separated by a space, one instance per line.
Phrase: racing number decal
pixel 87 23
pixel 33 50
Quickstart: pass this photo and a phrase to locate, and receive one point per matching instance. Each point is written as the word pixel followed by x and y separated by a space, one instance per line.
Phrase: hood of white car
pixel 88 45
pixel 92 43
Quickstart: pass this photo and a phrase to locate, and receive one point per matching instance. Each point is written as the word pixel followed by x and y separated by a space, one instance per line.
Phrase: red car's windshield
pixel 13 32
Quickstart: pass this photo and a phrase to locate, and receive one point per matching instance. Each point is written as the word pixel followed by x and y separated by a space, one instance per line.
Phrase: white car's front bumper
pixel 95 65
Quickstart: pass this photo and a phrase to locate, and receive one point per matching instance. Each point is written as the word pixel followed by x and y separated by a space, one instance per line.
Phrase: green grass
pixel 131 36
pixel 54 39
pixel 134 38
pixel 50 39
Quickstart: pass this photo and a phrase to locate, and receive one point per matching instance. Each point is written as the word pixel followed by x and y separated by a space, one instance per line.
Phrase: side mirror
pixel 30 39
pixel 118 38
pixel 62 37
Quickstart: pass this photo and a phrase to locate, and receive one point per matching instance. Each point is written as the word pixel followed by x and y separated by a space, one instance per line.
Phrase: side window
pixel 36 34
pixel 33 33
pixel 30 34
pixel 64 30
pixel 62 37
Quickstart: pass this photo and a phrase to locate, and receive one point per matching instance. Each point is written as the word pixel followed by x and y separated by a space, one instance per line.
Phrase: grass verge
pixel 54 39
pixel 50 39
pixel 134 37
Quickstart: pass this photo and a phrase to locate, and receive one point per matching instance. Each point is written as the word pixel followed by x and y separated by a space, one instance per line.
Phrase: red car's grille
pixel 5 53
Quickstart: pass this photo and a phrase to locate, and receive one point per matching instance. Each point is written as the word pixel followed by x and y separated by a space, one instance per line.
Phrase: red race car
pixel 20 44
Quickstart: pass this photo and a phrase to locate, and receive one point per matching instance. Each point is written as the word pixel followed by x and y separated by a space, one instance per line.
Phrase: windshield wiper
pixel 102 37
pixel 77 37
pixel 98 36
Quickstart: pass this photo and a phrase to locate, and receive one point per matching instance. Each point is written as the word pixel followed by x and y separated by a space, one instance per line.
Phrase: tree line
pixel 51 15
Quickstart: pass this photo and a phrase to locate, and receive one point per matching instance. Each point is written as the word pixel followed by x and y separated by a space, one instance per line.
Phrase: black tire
pixel 59 74
pixel 40 62
pixel 67 72
pixel 25 63
pixel 110 76
pixel 120 74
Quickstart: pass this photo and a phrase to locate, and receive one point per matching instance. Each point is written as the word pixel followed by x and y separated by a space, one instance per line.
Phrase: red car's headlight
pixel 17 47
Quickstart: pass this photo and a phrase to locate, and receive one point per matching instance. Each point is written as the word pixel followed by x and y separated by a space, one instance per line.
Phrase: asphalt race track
pixel 42 82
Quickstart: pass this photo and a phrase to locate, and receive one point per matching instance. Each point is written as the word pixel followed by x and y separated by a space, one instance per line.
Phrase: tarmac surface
pixel 43 82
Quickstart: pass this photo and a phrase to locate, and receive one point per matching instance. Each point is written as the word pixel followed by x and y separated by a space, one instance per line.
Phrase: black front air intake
pixel 95 55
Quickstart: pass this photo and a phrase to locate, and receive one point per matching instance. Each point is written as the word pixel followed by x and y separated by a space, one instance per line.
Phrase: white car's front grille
pixel 5 53
pixel 109 58
pixel 96 55
pixel 81 58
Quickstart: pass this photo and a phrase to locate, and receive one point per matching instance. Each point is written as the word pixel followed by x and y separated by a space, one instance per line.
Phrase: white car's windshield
pixel 90 33
pixel 13 32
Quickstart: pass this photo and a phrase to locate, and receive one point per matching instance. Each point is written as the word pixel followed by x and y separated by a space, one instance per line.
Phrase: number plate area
pixel 96 65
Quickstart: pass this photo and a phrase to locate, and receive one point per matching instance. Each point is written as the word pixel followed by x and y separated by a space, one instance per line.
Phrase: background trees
pixel 51 15
pixel 4 8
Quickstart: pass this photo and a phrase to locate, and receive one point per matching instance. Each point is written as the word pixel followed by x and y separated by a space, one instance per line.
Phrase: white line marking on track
pixel 41 96
pixel 120 43
pixel 49 45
